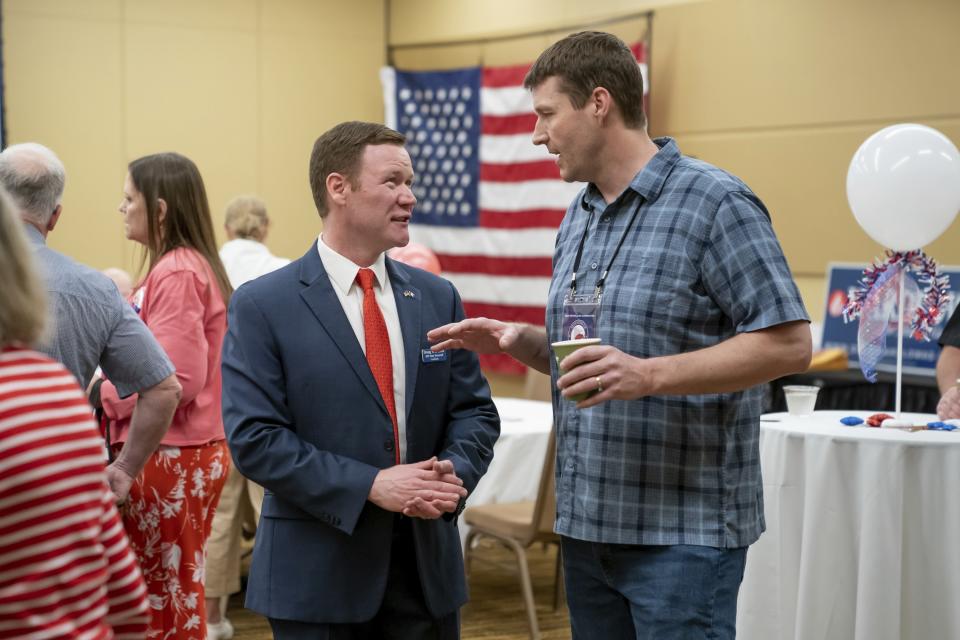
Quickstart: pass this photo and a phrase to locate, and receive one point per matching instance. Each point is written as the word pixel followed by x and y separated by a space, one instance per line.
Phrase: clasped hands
pixel 426 489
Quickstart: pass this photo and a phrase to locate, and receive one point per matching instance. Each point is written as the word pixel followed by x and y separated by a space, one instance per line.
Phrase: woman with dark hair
pixel 183 300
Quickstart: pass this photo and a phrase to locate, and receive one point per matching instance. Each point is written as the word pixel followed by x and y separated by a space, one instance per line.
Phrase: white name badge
pixel 581 316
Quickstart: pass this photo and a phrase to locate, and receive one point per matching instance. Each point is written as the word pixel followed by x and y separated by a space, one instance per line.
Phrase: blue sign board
pixel 919 358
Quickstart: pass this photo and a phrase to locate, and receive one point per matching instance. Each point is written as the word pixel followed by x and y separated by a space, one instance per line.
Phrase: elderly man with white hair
pixel 93 324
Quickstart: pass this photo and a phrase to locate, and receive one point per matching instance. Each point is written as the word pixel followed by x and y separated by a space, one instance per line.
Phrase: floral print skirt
pixel 167 518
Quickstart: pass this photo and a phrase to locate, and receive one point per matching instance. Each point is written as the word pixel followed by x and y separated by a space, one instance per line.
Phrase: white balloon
pixel 903 185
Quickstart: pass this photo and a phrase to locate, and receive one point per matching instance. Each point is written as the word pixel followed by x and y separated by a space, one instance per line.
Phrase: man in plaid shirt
pixel 658 471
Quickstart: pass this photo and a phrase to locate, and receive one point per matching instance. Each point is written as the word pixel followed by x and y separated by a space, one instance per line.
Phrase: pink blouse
pixel 181 303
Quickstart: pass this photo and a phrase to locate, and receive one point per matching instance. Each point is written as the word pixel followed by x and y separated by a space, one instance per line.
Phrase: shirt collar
pixel 648 182
pixel 343 272
pixel 34 236
pixel 246 244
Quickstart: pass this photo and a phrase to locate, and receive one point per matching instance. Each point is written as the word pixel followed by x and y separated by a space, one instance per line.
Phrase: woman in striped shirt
pixel 66 569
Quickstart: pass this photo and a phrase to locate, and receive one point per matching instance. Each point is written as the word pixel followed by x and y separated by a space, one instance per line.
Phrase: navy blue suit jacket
pixel 304 418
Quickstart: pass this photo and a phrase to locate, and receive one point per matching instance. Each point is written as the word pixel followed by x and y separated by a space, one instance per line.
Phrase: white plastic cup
pixel 801 399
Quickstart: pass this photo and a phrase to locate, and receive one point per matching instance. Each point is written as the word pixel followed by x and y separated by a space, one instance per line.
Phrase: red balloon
pixel 417 255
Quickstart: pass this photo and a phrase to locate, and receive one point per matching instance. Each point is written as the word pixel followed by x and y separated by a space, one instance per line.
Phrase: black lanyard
pixel 603 277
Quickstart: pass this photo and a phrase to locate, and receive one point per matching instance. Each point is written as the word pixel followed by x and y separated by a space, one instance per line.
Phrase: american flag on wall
pixel 489 201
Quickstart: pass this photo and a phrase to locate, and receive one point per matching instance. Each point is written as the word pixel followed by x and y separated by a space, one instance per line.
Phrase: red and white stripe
pixel 66 568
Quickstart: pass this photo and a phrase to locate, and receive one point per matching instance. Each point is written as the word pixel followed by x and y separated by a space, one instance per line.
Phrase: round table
pixel 861 532
pixel 518 455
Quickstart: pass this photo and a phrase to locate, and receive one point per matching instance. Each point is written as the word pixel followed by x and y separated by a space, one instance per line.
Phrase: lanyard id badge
pixel 581 311
pixel 581 316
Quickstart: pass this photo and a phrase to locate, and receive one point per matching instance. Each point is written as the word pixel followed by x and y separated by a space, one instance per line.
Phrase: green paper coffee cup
pixel 564 348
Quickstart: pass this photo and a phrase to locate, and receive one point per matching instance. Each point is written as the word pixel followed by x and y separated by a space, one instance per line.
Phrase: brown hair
pixel 340 150
pixel 247 218
pixel 176 180
pixel 590 59
pixel 23 308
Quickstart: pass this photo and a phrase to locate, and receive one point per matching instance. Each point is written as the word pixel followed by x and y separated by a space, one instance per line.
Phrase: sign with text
pixel 919 358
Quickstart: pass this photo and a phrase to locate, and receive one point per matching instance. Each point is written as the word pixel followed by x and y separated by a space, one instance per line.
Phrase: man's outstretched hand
pixel 481 335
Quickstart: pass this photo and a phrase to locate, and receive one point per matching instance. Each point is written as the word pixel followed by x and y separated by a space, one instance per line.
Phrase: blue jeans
pixel 681 592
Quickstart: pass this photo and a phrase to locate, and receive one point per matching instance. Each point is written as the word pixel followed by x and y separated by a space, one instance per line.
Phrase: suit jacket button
pixel 388 445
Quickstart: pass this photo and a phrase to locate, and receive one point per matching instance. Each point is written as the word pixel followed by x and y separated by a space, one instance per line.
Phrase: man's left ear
pixel 161 210
pixel 601 102
pixel 54 217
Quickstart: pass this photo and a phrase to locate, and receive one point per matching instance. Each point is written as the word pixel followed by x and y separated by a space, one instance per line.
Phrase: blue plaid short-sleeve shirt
pixel 699 264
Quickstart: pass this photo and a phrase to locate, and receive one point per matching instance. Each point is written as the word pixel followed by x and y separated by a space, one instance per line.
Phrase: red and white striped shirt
pixel 66 568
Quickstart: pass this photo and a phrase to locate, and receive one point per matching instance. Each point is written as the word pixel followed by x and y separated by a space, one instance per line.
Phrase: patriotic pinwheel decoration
pixel 874 300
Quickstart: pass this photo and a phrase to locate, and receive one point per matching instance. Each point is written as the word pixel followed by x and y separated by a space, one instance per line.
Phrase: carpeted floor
pixel 495 610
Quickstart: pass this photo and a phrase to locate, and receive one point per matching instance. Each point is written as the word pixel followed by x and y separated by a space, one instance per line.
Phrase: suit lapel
pixel 319 295
pixel 409 308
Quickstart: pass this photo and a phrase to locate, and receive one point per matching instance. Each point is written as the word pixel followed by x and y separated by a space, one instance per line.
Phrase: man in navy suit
pixel 366 442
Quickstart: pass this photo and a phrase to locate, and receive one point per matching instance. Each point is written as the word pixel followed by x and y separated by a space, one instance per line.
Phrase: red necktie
pixel 378 350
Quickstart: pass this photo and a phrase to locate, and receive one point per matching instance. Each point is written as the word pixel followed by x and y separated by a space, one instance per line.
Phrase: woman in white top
pixel 245 257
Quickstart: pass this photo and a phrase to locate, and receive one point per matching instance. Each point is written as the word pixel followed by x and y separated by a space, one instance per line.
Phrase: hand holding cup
pixel 564 348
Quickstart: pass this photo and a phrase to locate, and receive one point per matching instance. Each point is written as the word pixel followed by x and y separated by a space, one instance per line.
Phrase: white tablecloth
pixel 861 540
pixel 514 474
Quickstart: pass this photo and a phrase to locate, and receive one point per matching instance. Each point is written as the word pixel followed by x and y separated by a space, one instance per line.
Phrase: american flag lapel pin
pixel 408 294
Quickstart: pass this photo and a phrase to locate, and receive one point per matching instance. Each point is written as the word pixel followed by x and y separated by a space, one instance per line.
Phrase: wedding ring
pixel 599 385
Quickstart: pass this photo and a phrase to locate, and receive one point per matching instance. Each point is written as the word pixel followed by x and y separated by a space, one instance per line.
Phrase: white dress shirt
pixel 343 274
pixel 245 260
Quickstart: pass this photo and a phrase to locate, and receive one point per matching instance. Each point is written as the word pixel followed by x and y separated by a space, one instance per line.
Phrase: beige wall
pixel 780 93
pixel 243 87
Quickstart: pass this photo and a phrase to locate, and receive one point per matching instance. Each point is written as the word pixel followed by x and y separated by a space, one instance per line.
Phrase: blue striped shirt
pixel 94 326
pixel 699 265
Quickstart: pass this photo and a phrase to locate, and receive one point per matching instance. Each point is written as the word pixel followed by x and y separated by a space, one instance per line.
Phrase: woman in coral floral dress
pixel 183 300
